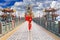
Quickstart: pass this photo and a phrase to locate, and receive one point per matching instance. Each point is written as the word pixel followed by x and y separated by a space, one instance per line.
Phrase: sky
pixel 8 3
pixel 38 5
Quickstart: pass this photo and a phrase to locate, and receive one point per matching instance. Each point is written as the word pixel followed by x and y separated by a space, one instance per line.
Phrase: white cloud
pixel 38 4
pixel 38 13
pixel 18 3
pixel 13 7
pixel 1 8
pixel 53 4
pixel 58 18
pixel 1 11
pixel 47 1
pixel 58 6
pixel 18 6
pixel 27 0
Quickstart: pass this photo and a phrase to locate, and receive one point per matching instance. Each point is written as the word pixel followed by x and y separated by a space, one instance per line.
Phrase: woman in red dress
pixel 29 19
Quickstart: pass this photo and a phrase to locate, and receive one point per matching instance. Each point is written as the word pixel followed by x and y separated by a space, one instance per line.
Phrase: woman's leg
pixel 29 26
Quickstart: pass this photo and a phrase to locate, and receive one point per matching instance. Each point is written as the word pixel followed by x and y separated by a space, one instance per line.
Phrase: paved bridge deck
pixel 37 33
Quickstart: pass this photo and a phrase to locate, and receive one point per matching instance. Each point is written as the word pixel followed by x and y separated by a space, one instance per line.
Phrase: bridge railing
pixel 51 26
pixel 6 27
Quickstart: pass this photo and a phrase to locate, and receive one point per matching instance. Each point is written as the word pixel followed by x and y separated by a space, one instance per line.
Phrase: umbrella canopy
pixel 7 10
pixel 54 15
pixel 4 15
pixel 50 10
